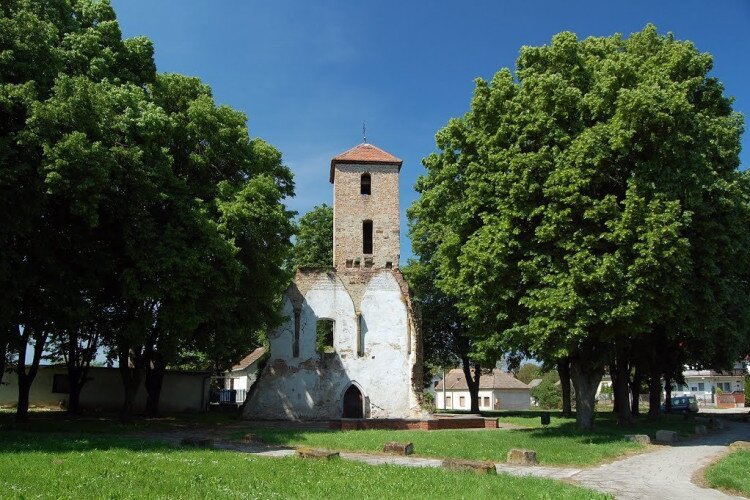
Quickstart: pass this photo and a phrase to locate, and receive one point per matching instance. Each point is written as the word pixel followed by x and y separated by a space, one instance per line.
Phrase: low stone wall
pixel 408 424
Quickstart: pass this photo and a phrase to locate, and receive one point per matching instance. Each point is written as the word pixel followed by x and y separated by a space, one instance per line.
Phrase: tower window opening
pixel 366 182
pixel 367 237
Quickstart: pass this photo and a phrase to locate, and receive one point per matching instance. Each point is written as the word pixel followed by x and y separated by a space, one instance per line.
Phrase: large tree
pixel 589 198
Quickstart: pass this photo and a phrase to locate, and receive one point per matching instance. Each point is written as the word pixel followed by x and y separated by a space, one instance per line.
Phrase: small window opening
pixel 364 187
pixel 324 338
pixel 368 262
pixel 295 341
pixel 360 335
pixel 367 237
pixel 349 263
pixel 389 265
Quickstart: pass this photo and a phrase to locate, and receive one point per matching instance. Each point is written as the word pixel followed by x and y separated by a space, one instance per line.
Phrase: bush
pixel 548 395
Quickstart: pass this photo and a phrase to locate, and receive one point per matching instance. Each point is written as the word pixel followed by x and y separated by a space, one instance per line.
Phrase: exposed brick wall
pixel 350 209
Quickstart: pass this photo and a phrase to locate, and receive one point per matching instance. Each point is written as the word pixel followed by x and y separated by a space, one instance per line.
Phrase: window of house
pixel 461 401
pixel 324 335
pixel 365 184
pixel 693 389
pixel 448 402
pixel 486 401
pixel 701 386
pixel 367 237
pixel 60 384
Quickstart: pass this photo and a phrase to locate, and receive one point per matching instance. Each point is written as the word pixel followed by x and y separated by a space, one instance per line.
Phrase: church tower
pixel 366 223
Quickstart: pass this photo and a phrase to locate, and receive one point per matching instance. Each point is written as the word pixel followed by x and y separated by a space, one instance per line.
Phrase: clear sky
pixel 308 73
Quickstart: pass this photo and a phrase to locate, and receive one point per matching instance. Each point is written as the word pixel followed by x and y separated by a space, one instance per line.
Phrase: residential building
pixel 497 391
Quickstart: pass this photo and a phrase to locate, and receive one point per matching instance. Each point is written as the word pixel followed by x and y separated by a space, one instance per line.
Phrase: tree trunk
pixel 3 353
pixel 635 392
pixel 75 384
pixel 563 369
pixel 585 379
pixel 131 379
pixel 472 382
pixel 654 392
pixel 622 392
pixel 25 379
pixel 613 376
pixel 667 393
pixel 154 380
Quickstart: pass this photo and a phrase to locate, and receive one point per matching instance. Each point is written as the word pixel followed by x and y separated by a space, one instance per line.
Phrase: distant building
pixel 497 391
pixel 243 375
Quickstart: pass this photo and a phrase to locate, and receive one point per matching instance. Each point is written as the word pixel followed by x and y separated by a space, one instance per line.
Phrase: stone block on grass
pixel 316 453
pixel 519 456
pixel 396 448
pixel 700 429
pixel 197 442
pixel 666 436
pixel 740 445
pixel 250 438
pixel 476 466
pixel 638 438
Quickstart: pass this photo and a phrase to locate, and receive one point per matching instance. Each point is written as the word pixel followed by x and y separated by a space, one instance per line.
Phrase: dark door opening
pixel 367 237
pixel 353 403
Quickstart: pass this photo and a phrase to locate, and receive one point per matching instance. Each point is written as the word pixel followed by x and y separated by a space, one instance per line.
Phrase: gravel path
pixel 666 472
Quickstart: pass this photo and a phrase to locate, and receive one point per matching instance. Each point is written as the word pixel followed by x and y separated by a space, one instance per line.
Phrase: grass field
pixel 559 444
pixel 66 466
pixel 731 472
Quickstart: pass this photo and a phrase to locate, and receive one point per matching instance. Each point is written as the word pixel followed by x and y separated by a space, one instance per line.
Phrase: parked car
pixel 683 404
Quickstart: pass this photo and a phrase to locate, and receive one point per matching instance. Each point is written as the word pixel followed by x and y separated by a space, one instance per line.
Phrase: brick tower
pixel 366 224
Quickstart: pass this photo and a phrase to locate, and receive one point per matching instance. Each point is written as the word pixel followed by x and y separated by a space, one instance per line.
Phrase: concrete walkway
pixel 666 472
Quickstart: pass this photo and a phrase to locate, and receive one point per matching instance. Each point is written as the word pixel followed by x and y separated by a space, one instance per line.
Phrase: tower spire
pixel 364 132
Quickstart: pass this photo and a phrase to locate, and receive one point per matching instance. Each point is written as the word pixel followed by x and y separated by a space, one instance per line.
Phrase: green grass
pixel 731 472
pixel 65 466
pixel 559 444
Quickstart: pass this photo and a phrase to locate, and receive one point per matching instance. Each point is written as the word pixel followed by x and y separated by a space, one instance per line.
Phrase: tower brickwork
pixel 366 223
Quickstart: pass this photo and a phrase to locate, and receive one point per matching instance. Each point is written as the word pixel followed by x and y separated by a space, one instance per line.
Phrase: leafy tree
pixel 590 199
pixel 314 245
pixel 528 372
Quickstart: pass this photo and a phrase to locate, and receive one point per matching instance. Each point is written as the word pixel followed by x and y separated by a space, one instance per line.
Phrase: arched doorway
pixel 353 402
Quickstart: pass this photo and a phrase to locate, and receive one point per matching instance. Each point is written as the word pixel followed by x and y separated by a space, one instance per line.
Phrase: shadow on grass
pixel 29 442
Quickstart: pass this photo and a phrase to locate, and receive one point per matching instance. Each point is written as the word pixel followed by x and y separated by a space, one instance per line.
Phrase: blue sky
pixel 308 74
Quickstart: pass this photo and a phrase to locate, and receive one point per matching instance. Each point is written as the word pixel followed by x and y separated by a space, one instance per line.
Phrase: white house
pixel 243 375
pixel 497 391
pixel 705 384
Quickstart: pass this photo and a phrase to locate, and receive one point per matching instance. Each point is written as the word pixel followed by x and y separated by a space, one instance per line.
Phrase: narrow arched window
pixel 367 237
pixel 365 183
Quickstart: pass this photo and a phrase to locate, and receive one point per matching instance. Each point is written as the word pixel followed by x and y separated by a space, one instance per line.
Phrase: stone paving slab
pixel 536 471
pixel 405 461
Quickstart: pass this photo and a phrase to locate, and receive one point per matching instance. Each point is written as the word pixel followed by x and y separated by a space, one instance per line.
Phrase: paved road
pixel 665 473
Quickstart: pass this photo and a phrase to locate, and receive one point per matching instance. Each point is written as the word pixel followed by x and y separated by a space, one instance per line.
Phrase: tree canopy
pixel 314 245
pixel 589 200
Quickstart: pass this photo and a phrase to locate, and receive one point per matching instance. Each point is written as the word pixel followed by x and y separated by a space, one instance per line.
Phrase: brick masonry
pixel 350 209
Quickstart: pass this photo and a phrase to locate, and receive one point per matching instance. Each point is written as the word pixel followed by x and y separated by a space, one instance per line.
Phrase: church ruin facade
pixel 350 344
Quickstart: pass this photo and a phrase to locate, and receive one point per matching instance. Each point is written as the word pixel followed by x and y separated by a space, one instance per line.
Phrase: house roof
pixel 365 153
pixel 249 359
pixel 497 379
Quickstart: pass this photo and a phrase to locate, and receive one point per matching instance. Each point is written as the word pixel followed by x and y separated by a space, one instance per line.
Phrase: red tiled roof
pixel 497 379
pixel 249 359
pixel 365 153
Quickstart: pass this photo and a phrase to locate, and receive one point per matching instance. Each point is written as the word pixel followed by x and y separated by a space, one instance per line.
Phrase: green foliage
pixel 528 372
pixel 314 245
pixel 129 198
pixel 324 335
pixel 548 393
pixel 589 198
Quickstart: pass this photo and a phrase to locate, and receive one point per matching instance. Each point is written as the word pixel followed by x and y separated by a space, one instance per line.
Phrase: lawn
pixel 559 444
pixel 66 466
pixel 731 472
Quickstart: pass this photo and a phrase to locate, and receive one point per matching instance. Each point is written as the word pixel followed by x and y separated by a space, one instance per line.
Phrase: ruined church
pixel 350 344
